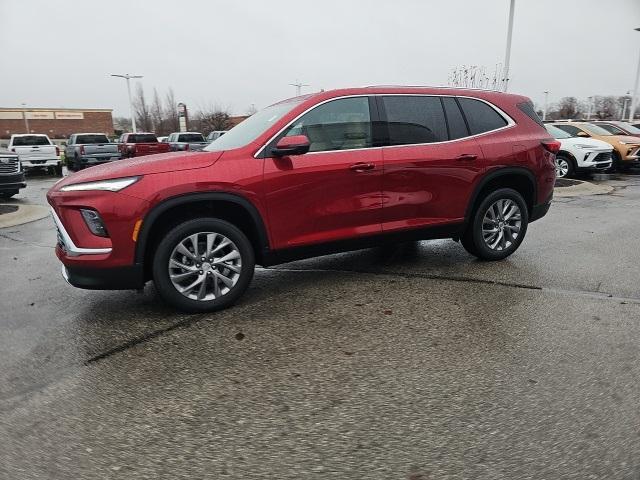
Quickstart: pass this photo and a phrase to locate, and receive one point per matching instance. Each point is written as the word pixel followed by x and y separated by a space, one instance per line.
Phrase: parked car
pixel 138 144
pixel 86 149
pixel 625 148
pixel 215 135
pixel 618 128
pixel 578 154
pixel 333 171
pixel 181 141
pixel 36 151
pixel 11 174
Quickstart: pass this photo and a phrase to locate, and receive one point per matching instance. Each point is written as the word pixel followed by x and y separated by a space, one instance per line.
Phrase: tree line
pixel 160 115
pixel 599 107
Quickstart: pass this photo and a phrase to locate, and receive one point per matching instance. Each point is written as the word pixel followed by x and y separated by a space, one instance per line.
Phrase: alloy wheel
pixel 501 224
pixel 562 167
pixel 205 266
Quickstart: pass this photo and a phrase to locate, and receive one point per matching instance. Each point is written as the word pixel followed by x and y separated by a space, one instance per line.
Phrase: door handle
pixel 361 167
pixel 467 156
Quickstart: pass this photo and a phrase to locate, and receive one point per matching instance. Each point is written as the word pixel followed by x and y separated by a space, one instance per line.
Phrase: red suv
pixel 321 173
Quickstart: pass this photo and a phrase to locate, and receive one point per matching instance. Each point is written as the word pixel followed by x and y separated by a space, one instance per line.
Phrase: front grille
pixel 603 157
pixel 9 165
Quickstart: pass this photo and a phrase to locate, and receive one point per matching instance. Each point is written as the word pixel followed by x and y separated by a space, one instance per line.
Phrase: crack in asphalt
pixel 18 240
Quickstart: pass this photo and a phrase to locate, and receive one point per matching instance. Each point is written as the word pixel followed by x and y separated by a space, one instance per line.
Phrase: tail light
pixel 57 151
pixel 82 150
pixel 552 146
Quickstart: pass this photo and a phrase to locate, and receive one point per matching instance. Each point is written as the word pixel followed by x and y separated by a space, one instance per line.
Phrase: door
pixel 431 163
pixel 333 192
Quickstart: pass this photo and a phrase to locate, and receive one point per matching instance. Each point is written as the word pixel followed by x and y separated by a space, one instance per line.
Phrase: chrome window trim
pixel 71 247
pixel 510 121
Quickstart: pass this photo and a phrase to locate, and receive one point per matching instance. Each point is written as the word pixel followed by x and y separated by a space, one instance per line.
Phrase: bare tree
pixel 121 125
pixel 210 118
pixel 171 112
pixel 605 107
pixel 251 110
pixel 568 107
pixel 141 110
pixel 157 114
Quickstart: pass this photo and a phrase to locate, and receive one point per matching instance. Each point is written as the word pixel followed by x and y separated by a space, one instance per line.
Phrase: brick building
pixel 55 122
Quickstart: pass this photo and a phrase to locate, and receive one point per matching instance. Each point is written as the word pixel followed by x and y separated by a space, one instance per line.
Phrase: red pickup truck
pixel 139 144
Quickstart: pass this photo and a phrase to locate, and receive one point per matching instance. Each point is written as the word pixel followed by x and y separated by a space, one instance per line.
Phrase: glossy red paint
pixel 317 197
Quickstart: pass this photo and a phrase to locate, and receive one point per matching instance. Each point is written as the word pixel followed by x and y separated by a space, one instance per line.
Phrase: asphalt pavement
pixel 408 362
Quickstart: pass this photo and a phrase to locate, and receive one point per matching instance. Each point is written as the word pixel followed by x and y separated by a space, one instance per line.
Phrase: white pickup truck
pixel 36 151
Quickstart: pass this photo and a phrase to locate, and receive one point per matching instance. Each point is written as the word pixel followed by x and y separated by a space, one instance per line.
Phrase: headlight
pixel 113 185
pixel 628 143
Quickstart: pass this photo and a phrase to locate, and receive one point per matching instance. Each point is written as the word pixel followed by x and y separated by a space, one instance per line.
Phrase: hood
pixel 595 143
pixel 149 164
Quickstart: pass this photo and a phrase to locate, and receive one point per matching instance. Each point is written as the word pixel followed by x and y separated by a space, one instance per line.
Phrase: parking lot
pixel 414 361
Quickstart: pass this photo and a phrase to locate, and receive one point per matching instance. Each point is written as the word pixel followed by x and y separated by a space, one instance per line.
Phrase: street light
pixel 128 77
pixel 298 86
pixel 507 53
pixel 546 104
pixel 634 98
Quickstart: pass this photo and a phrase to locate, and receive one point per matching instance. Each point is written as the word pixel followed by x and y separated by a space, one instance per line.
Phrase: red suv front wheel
pixel 203 265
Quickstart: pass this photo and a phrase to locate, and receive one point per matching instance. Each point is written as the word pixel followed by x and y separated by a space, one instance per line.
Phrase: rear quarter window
pixel 480 116
pixel 529 111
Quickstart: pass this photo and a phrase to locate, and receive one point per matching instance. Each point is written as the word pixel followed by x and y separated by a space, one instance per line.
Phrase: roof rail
pixel 431 86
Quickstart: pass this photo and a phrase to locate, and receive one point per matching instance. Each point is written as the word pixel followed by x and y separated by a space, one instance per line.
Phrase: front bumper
pixel 12 182
pixel 117 278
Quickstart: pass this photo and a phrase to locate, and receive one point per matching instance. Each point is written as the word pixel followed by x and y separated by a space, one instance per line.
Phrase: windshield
pixel 89 139
pixel 251 128
pixel 595 130
pixel 556 132
pixel 630 128
pixel 29 140
pixel 191 137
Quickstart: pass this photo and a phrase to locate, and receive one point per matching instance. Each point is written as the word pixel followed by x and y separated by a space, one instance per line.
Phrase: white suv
pixel 580 154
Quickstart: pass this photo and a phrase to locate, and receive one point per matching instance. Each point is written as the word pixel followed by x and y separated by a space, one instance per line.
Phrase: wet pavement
pixel 410 362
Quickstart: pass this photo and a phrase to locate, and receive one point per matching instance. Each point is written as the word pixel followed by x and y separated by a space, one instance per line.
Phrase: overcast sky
pixel 242 52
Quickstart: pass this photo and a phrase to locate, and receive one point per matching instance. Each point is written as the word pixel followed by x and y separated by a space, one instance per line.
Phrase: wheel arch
pixel 227 206
pixel 518 178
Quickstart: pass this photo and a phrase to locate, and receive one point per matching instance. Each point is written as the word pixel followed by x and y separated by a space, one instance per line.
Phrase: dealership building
pixel 55 122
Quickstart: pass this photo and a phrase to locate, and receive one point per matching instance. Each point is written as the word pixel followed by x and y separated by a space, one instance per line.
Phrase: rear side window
pixel 415 119
pixel 30 140
pixel 529 111
pixel 480 116
pixel 91 139
pixel 455 120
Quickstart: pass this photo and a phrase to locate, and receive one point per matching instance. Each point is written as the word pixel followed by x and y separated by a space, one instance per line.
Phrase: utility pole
pixel 298 86
pixel 507 53
pixel 634 98
pixel 546 104
pixel 128 77
pixel 24 114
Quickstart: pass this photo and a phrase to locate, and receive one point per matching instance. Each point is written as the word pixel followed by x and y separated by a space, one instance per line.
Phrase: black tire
pixel 616 164
pixel 164 285
pixel 568 161
pixel 473 240
pixel 77 163
pixel 57 170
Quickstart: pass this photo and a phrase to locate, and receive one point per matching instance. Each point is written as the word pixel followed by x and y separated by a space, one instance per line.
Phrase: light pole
pixel 507 53
pixel 546 104
pixel 634 98
pixel 298 86
pixel 128 77
pixel 26 120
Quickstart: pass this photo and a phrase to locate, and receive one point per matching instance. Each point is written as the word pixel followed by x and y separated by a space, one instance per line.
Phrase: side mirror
pixel 582 134
pixel 294 145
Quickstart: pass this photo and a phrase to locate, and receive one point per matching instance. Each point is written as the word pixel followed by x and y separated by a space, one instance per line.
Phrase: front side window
pixel 341 124
pixel 481 117
pixel 415 119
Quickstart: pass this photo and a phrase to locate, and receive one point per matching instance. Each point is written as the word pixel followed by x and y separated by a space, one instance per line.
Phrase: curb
pixel 583 188
pixel 26 213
